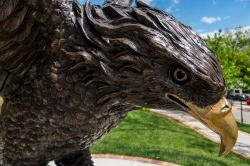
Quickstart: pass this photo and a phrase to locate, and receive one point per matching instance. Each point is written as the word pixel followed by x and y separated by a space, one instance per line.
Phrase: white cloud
pixel 170 8
pixel 212 33
pixel 226 17
pixel 177 9
pixel 173 5
pixel 176 1
pixel 210 20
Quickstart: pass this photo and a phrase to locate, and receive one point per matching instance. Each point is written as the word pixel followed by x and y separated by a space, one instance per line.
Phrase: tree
pixel 233 51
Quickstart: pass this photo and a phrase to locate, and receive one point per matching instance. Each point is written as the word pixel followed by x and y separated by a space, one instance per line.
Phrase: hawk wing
pixel 18 35
pixel 27 31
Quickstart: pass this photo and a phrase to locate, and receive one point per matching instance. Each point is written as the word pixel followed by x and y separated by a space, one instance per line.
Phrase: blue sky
pixel 205 15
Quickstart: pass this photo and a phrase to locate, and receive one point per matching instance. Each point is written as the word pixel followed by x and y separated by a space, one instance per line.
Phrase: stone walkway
pixel 115 160
pixel 245 112
pixel 242 146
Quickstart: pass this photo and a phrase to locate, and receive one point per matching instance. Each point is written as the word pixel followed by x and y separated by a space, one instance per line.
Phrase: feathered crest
pixel 118 2
pixel 143 30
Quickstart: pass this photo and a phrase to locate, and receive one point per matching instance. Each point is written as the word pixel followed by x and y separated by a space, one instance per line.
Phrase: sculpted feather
pixel 70 73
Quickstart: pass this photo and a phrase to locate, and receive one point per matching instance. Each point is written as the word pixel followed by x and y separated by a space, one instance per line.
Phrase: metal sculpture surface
pixel 70 73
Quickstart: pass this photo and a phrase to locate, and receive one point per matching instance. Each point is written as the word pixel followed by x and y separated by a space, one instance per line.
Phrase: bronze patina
pixel 69 73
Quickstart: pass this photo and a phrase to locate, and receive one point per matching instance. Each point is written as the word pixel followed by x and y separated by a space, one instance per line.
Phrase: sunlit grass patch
pixel 145 134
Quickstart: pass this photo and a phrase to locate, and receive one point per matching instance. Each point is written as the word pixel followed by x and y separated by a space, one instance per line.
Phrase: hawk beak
pixel 217 117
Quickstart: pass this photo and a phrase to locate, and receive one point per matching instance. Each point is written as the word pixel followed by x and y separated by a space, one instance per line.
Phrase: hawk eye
pixel 179 75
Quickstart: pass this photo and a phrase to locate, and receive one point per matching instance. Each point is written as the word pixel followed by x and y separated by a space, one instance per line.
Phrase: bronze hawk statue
pixel 69 73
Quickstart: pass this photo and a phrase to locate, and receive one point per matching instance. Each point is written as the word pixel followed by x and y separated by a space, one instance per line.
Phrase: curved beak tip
pixel 220 119
pixel 223 150
pixel 229 138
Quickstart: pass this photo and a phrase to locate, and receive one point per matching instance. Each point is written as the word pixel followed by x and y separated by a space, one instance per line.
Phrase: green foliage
pixel 145 134
pixel 233 52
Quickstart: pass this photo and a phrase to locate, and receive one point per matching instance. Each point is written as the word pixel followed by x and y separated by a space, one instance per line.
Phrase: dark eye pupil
pixel 181 75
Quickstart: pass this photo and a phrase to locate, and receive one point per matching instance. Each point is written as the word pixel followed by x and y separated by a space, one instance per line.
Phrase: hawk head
pixel 159 62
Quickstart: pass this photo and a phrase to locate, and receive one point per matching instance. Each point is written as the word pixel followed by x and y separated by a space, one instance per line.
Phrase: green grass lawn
pixel 244 127
pixel 145 134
